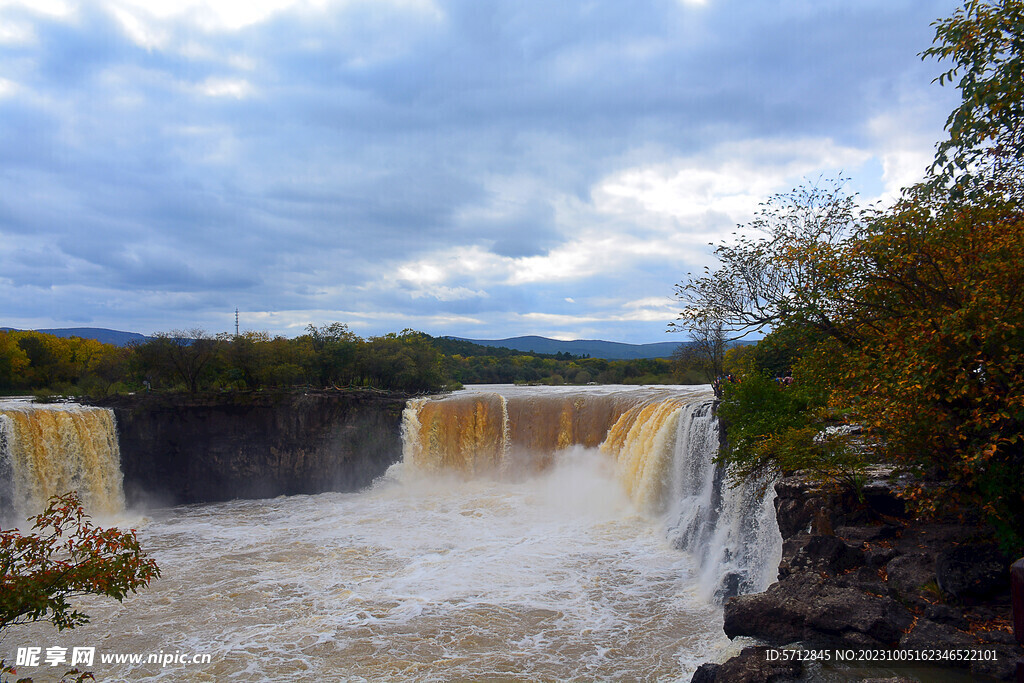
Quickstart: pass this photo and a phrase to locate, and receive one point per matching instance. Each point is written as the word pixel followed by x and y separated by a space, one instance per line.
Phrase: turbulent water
pixel 51 449
pixel 527 535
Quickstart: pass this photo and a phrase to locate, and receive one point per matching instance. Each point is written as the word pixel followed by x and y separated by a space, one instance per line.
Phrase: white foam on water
pixel 586 564
pixel 557 576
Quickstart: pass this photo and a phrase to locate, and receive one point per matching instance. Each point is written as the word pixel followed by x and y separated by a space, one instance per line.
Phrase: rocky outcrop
pixel 857 573
pixel 192 449
pixel 809 607
pixel 750 666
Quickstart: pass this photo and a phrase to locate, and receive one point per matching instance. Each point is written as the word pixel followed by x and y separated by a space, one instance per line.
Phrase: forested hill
pixel 581 347
pixel 100 334
pixel 593 348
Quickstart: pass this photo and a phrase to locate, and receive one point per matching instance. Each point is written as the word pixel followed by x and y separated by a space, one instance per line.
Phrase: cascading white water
pixel 51 449
pixel 663 442
pixel 531 535
pixel 730 529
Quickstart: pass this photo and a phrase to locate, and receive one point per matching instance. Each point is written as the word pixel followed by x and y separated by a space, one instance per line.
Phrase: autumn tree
pixel 705 351
pixel 406 362
pixel 65 557
pixel 789 265
pixel 920 306
pixel 245 357
pixel 13 362
pixel 983 44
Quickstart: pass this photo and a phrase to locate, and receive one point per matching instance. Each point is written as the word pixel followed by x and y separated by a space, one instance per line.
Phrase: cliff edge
pixel 181 448
pixel 859 574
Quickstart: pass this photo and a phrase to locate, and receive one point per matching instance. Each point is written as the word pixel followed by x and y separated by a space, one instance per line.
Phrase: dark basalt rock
pixel 930 635
pixel 807 607
pixel 972 572
pixel 908 574
pixel 944 614
pixel 178 448
pixel 750 666
pixel 857 575
pixel 730 586
pixel 868 534
pixel 823 553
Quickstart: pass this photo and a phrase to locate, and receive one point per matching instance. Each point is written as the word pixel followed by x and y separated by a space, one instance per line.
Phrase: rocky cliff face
pixel 858 573
pixel 191 449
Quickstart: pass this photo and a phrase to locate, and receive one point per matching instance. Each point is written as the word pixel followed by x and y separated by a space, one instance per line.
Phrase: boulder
pixel 751 665
pixel 972 572
pixel 824 553
pixel 908 574
pixel 806 607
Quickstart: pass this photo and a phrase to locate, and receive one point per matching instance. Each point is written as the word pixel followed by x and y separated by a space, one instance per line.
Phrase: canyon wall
pixel 191 449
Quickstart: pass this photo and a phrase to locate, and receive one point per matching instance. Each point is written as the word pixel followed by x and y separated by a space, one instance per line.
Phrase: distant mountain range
pixel 582 347
pixel 594 348
pixel 115 337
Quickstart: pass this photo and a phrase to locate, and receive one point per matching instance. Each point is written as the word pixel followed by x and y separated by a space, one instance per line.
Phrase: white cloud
pixel 731 179
pixel 650 309
pixel 454 179
pixel 147 34
pixel 660 213
pixel 234 15
pixel 362 321
pixel 53 8
pixel 16 33
pixel 226 87
pixel 906 148
pixel 442 293
pixel 230 15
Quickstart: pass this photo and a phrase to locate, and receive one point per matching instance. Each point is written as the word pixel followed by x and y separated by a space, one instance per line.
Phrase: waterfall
pixel 730 527
pixel 51 449
pixel 663 443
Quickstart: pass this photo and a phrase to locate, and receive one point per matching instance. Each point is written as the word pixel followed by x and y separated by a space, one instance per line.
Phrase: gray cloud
pixel 293 166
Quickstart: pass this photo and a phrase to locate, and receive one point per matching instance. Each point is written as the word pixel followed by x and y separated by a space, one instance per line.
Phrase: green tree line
pixel 325 356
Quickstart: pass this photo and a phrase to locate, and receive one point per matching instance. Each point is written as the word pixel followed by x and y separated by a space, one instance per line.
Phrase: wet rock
pixel 825 553
pixel 731 585
pixel 908 574
pixel 806 607
pixel 178 448
pixel 750 666
pixel 880 496
pixel 850 576
pixel 864 578
pixel 997 638
pixel 972 572
pixel 876 558
pixel 930 635
pixel 799 507
pixel 706 673
pixel 868 534
pixel 944 614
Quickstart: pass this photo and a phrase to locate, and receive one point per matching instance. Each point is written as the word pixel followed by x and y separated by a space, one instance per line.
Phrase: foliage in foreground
pixel 64 557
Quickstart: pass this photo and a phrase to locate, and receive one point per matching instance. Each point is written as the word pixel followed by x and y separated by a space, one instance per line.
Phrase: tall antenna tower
pixel 236 321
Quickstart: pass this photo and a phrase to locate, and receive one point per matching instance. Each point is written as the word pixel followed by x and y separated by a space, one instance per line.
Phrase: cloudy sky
pixel 481 168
